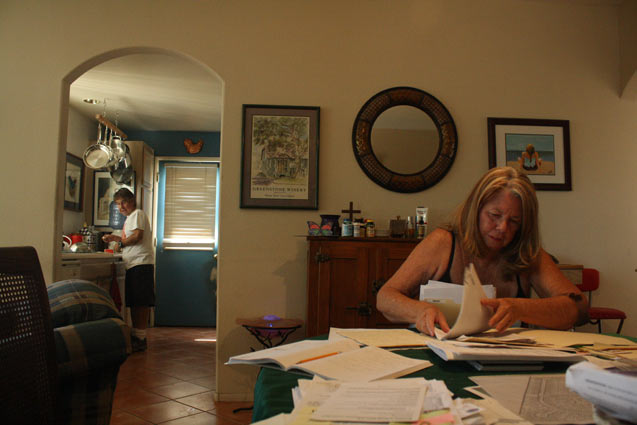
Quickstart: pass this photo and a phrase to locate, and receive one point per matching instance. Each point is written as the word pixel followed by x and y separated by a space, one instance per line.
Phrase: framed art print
pixel 279 166
pixel 539 147
pixel 103 190
pixel 73 183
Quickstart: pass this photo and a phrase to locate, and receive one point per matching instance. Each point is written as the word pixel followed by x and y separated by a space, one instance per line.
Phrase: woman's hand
pixel 505 312
pixel 428 318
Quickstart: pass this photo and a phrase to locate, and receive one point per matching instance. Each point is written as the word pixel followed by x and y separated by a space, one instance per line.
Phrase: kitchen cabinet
pixel 143 157
pixel 101 268
pixel 343 277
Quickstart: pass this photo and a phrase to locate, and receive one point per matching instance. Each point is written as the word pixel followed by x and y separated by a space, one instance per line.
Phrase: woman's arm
pixel 561 304
pixel 396 298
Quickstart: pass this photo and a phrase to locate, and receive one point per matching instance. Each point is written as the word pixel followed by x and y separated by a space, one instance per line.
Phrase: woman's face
pixel 500 219
pixel 125 207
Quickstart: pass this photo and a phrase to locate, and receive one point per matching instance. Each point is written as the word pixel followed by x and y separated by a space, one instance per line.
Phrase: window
pixel 190 206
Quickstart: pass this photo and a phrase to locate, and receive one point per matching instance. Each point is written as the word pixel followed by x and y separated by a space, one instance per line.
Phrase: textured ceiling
pixel 153 92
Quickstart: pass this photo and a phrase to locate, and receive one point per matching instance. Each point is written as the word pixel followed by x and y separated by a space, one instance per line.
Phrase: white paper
pixel 363 365
pixel 473 317
pixel 385 337
pixel 375 402
pixel 448 297
pixel 540 399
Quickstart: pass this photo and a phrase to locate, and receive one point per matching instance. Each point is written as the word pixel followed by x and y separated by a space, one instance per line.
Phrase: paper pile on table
pixel 612 390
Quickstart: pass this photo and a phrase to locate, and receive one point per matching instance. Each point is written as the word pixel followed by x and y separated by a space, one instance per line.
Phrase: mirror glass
pixel 405 139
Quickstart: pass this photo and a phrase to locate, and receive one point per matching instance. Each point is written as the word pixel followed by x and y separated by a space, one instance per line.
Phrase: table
pixel 269 328
pixel 272 391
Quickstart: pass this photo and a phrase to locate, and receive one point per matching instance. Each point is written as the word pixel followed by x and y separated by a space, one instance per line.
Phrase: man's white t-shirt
pixel 142 251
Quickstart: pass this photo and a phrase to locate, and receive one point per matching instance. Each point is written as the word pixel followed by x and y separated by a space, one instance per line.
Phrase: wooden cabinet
pixel 344 275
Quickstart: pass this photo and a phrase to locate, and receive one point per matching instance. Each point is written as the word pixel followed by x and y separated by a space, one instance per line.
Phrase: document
pixel 343 360
pixel 448 297
pixel 387 338
pixel 540 399
pixel 387 401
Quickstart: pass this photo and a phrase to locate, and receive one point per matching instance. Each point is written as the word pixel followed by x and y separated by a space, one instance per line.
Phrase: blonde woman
pixel 530 159
pixel 496 229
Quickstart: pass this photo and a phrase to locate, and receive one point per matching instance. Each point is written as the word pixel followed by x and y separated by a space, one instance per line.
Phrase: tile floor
pixel 172 382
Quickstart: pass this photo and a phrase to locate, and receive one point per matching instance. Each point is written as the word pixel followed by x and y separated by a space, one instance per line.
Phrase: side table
pixel 270 330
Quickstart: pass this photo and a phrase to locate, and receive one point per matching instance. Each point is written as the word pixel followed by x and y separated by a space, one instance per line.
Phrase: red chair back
pixel 590 280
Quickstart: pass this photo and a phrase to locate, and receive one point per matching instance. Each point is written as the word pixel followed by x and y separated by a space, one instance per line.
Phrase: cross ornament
pixel 351 211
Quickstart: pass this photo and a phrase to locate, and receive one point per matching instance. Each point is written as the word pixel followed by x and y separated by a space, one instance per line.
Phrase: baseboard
pixel 233 396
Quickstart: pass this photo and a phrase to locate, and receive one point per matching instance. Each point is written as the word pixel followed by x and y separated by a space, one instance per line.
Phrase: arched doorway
pixel 166 73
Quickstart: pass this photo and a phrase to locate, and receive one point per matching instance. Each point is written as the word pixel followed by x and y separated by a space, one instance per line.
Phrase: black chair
pixel 28 369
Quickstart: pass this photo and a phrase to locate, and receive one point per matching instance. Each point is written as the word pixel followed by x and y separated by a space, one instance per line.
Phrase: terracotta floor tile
pixel 119 417
pixel 126 400
pixel 209 381
pixel 198 419
pixel 165 411
pixel 186 372
pixel 201 401
pixel 178 390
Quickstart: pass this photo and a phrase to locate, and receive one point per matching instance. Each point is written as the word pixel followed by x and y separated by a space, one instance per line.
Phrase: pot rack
pixel 105 122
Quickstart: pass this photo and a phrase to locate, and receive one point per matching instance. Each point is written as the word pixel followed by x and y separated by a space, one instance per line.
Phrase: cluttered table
pixel 273 389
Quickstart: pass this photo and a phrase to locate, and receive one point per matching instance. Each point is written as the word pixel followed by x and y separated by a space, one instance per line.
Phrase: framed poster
pixel 103 190
pixel 73 183
pixel 279 166
pixel 540 148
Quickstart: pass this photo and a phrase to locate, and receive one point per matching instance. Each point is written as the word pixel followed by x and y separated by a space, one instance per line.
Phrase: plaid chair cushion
pixel 91 342
pixel 77 301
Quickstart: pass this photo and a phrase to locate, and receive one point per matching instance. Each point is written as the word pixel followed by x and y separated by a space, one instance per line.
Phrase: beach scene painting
pixel 532 153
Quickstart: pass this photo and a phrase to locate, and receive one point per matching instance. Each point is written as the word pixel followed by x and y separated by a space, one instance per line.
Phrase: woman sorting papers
pixel 496 229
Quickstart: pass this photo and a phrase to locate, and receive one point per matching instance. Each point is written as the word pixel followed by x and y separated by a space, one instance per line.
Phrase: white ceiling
pixel 151 92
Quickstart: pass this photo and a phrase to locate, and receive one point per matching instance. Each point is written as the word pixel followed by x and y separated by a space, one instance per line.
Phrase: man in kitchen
pixel 137 254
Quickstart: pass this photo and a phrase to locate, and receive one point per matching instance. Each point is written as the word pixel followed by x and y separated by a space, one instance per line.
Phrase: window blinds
pixel 190 206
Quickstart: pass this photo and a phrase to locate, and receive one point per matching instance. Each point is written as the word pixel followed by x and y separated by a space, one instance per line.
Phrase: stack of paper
pixel 613 390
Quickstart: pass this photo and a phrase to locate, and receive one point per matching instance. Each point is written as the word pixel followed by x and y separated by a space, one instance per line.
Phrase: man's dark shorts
pixel 140 286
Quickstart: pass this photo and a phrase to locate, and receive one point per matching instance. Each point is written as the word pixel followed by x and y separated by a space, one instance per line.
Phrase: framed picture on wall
pixel 104 187
pixel 73 183
pixel 539 147
pixel 279 166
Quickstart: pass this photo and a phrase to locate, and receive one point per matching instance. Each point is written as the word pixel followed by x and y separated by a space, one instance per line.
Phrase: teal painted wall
pixel 171 143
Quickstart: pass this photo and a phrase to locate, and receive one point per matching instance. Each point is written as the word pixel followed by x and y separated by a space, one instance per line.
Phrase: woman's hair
pixel 524 249
pixel 530 149
pixel 124 194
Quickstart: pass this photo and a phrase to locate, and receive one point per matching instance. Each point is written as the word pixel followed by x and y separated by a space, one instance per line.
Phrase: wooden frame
pixel 378 172
pixel 539 147
pixel 279 167
pixel 73 183
pixel 104 187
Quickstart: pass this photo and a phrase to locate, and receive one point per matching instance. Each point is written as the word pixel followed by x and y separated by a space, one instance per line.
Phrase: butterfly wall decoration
pixel 316 230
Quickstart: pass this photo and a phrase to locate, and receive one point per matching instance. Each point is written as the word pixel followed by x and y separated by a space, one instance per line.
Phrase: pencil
pixel 318 357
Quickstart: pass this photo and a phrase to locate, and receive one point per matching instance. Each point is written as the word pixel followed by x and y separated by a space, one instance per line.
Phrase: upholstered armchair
pixel 91 343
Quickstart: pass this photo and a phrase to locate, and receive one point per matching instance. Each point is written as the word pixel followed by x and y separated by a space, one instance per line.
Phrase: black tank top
pixel 446 276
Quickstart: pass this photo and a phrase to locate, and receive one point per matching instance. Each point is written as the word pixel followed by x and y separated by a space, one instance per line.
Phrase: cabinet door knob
pixel 321 258
pixel 363 309
pixel 376 285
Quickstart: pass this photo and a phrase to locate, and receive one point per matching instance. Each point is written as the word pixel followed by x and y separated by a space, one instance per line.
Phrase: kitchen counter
pixel 89 255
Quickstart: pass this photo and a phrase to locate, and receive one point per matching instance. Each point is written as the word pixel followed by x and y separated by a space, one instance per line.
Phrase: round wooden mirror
pixel 404 139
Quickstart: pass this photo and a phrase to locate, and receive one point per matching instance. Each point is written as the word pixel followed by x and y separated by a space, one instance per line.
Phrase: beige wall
pixel 493 58
pixel 81 131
